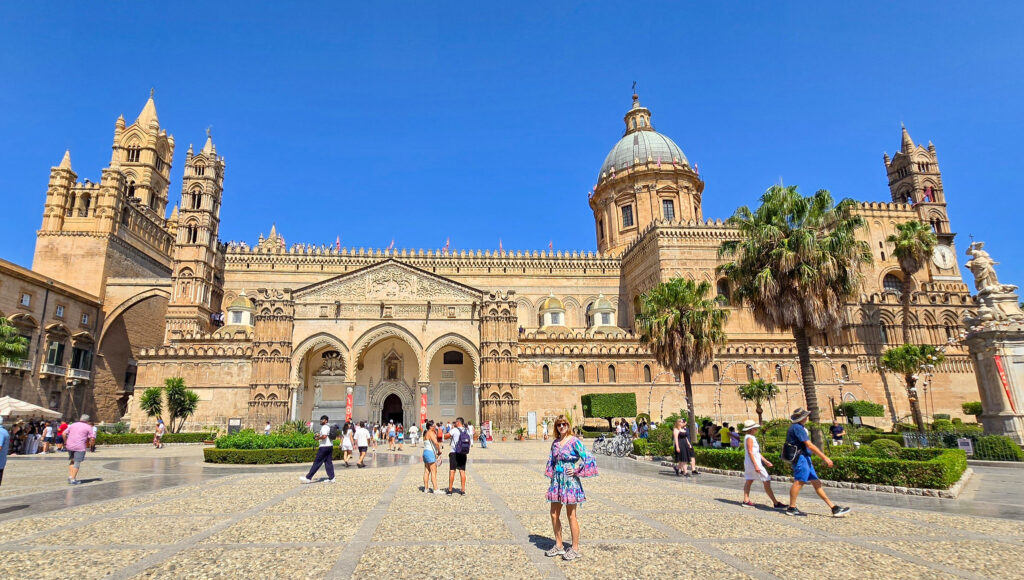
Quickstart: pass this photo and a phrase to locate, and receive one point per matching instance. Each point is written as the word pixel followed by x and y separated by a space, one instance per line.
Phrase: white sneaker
pixel 330 481
pixel 305 480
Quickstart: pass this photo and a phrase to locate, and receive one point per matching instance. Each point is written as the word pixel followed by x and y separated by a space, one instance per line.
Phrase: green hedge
pixel 868 438
pixel 139 438
pixel 861 409
pixel 263 456
pixel 924 468
pixel 971 408
pixel 249 439
pixel 609 405
pixel 997 448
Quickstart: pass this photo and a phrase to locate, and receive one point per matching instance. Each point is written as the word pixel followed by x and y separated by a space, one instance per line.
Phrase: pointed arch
pixel 389 330
pixel 458 341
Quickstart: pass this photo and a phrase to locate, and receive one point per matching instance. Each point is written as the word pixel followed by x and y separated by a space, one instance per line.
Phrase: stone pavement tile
pixel 861 523
pixel 478 526
pixel 834 560
pixel 66 563
pixel 723 524
pixel 201 504
pixel 291 528
pixel 537 502
pixel 410 502
pixel 670 501
pixel 593 526
pixel 12 530
pixel 130 530
pixel 469 562
pixel 107 507
pixel 284 563
pixel 344 503
pixel 646 561
pixel 977 525
pixel 984 557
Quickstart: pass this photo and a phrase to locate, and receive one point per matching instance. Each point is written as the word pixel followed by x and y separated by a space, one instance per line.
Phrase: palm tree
pixel 181 402
pixel 758 391
pixel 683 328
pixel 152 403
pixel 13 346
pixel 796 262
pixel 913 244
pixel 908 360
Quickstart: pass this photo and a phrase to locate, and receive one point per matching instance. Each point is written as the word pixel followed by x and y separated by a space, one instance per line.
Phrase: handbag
pixel 790 452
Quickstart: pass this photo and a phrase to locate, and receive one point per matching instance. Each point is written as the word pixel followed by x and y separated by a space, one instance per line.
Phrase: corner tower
pixel 645 178
pixel 197 279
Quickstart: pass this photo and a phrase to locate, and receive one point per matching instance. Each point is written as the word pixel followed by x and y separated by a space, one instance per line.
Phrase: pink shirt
pixel 77 436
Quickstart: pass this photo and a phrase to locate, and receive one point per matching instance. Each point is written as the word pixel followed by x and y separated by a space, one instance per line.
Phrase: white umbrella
pixel 11 407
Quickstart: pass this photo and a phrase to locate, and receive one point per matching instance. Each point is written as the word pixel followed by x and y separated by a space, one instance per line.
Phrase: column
pixel 476 406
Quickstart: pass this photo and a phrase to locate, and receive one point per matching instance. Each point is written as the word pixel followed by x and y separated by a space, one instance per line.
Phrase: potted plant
pixel 520 433
pixel 504 433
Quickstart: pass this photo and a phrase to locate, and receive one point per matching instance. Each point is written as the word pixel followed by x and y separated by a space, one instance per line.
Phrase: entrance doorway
pixel 391 410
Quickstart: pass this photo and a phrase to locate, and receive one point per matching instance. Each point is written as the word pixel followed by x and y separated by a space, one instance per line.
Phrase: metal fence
pixel 981 447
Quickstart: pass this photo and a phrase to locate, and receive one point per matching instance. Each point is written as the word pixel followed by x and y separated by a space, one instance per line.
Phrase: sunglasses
pixel 560 425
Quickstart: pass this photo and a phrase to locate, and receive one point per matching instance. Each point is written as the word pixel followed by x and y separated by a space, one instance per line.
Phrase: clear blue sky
pixel 420 121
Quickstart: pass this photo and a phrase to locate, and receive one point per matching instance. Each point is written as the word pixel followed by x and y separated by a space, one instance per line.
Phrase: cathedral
pixel 276 331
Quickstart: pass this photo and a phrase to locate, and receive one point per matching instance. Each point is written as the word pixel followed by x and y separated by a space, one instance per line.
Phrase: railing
pixel 18 365
pixel 48 369
pixel 79 374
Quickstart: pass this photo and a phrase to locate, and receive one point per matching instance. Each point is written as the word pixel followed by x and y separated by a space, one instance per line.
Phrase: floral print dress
pixel 566 488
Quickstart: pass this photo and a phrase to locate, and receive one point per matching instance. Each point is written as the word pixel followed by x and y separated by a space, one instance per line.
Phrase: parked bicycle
pixel 619 446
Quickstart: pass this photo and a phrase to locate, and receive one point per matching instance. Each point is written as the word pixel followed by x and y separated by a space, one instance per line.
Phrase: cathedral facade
pixel 277 331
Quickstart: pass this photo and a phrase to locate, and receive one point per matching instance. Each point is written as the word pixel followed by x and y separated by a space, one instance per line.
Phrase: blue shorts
pixel 803 469
pixel 429 457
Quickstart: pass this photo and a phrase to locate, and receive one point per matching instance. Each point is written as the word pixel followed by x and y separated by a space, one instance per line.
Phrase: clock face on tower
pixel 943 257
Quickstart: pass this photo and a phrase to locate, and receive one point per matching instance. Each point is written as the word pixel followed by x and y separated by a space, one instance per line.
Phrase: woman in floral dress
pixel 569 461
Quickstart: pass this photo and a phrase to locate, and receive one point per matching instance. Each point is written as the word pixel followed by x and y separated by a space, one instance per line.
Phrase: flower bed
pixel 141 438
pixel 263 456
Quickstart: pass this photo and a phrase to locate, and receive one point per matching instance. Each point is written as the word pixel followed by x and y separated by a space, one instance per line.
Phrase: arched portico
pixel 404 392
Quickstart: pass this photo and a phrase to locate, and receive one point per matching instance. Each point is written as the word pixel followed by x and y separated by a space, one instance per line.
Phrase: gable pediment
pixel 388 281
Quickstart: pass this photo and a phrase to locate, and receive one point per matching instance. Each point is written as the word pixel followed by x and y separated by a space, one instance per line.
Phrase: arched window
pixel 750 373
pixel 611 373
pixel 545 374
pixel 723 289
pixel 71 205
pixel 643 122
pixel 632 123
pixel 950 331
pixel 453 357
pixel 86 202
pixel 715 374
pixel 131 189
pixel 191 234
pixel 647 373
pixel 589 316
pixel 582 374
pixel 133 154
pixel 845 372
pixel 778 372
pixel 197 199
pixel 892 283
pixel 200 169
pixel 883 333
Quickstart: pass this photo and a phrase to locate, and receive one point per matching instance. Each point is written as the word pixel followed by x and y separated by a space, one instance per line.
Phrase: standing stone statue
pixel 318 395
pixel 982 266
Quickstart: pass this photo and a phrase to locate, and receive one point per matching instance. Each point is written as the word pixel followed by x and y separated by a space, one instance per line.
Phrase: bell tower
pixel 197 277
pixel 144 153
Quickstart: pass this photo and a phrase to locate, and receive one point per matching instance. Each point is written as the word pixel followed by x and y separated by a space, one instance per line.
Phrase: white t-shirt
pixel 455 433
pixel 325 431
pixel 413 431
pixel 362 437
pixel 48 432
pixel 266 430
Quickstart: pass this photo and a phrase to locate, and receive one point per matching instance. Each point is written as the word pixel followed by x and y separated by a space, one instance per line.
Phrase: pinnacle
pixel 65 163
pixel 907 145
pixel 148 114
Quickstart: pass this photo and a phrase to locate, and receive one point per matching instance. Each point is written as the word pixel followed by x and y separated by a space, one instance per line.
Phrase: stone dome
pixel 602 304
pixel 241 303
pixel 641 146
pixel 551 303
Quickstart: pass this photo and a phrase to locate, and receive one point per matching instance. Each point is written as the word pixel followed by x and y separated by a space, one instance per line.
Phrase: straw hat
pixel 750 424
pixel 799 414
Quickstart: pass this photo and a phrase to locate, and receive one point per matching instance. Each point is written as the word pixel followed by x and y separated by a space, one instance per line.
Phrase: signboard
pixel 234 426
pixel 966 444
pixel 487 430
pixel 1004 380
pixel 423 408
pixel 531 423
pixel 348 407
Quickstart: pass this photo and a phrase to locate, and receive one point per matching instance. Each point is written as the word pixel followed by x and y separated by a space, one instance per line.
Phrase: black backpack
pixel 334 433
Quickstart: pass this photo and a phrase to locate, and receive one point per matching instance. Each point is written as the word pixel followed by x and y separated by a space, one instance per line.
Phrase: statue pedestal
pixel 997 347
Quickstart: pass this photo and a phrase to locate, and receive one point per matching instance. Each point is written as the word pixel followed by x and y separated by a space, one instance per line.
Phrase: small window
pixel 845 372
pixel 451 312
pixel 668 209
pixel 81 359
pixel 556 318
pixel 643 122
pixel 723 289
pixel 750 373
pixel 883 333
pixel 647 373
pixel 892 284
pixel 778 373
pixel 715 374
pixel 582 374
pixel 606 318
pixel 55 353
pixel 611 373
pixel 133 154
pixel 545 375
pixel 600 229
pixel 453 357
pixel 129 378
pixel 236 318
pixel 59 313
pixel 200 169
pixel 627 216
pixel 85 319
pixel 26 299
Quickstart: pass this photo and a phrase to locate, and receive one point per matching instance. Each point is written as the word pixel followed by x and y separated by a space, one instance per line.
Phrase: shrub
pixel 997 448
pixel 938 416
pixel 609 405
pixel 139 438
pixel 901 427
pixel 971 408
pixel 263 456
pixel 289 427
pixel 640 447
pixel 880 448
pixel 867 438
pixel 942 425
pixel 118 428
pixel 248 439
pixel 861 409
pixel 957 421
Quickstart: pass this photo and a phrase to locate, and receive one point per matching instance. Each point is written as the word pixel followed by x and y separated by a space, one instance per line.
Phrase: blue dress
pixel 567 488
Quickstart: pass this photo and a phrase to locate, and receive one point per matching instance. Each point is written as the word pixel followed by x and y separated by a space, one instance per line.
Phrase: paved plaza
pixel 146 513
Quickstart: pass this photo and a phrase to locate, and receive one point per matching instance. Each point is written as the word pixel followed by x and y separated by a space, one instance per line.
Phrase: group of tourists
pixel 76 439
pixel 39 436
pixel 719 436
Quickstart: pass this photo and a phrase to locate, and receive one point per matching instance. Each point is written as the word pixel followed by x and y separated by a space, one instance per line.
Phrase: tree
pixel 13 346
pixel 608 406
pixel 181 402
pixel 758 391
pixel 913 244
pixel 152 402
pixel 796 262
pixel 683 328
pixel 908 360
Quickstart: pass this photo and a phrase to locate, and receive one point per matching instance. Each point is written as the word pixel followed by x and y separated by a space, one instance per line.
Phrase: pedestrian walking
pixel 399 436
pixel 324 453
pixel 391 436
pixel 92 440
pixel 77 439
pixel 347 434
pixel 567 463
pixel 362 437
pixel 483 439
pixel 798 448
pixel 60 435
pixel 158 435
pixel 266 428
pixel 683 450
pixel 47 437
pixel 459 455
pixel 755 466
pixel 431 456
pixel 5 449
pixel 544 428
pixel 413 432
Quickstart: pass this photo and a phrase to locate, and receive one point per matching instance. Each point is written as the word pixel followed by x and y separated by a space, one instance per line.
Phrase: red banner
pixel 348 407
pixel 423 408
pixel 1005 380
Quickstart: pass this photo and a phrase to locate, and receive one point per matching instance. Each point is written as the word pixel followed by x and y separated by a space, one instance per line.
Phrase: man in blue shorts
pixel 803 469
